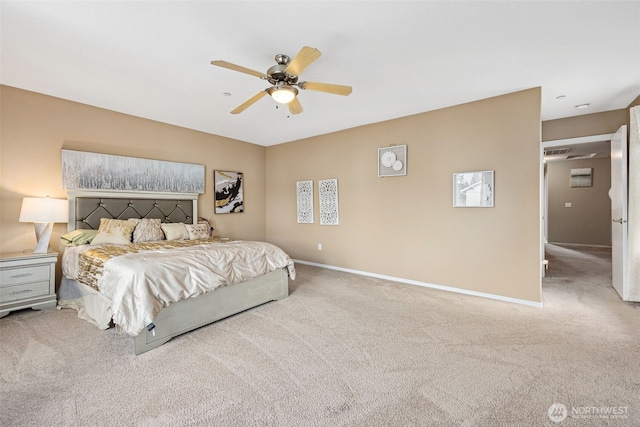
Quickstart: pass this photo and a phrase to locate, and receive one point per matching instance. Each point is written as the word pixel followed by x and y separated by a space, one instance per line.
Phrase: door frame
pixel 544 211
pixel 619 250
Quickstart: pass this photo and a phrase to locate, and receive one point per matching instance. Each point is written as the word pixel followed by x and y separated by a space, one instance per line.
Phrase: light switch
pixel 567 205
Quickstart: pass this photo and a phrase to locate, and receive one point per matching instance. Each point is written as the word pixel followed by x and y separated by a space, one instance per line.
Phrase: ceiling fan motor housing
pixel 277 73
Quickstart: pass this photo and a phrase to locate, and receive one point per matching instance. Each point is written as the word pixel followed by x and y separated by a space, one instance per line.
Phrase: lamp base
pixel 43 234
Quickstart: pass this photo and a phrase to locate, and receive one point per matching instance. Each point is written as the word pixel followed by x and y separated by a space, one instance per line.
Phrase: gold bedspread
pixel 91 262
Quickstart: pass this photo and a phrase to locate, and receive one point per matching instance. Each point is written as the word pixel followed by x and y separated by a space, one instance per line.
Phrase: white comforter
pixel 139 285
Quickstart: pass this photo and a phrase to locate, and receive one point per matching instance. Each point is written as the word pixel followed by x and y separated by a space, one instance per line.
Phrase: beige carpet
pixel 345 350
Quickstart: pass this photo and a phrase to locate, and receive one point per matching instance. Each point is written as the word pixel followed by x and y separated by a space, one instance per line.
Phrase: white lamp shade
pixel 43 212
pixel 44 209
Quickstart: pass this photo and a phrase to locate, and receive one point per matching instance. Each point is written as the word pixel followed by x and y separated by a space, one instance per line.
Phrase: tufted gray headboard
pixel 87 208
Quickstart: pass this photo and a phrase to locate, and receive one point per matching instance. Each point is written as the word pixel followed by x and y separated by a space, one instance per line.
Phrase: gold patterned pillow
pixel 114 231
pixel 197 231
pixel 147 230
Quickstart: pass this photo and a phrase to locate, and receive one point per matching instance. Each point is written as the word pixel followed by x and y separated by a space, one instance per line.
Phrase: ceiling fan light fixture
pixel 283 94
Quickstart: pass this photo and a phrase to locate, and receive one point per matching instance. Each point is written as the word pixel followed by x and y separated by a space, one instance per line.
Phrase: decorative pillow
pixel 175 231
pixel 147 230
pixel 78 237
pixel 197 231
pixel 114 231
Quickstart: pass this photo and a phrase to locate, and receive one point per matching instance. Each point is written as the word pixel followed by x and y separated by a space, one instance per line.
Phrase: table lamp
pixel 43 212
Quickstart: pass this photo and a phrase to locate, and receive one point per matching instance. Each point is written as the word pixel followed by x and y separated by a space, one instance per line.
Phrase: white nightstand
pixel 27 280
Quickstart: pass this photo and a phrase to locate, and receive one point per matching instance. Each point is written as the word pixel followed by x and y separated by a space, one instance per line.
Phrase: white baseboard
pixel 424 284
pixel 587 245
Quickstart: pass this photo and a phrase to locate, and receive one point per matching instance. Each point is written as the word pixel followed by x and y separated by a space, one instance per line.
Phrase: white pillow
pixel 175 231
pixel 114 231
pixel 197 231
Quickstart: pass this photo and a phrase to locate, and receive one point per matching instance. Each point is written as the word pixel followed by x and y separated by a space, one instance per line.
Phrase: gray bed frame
pixel 87 207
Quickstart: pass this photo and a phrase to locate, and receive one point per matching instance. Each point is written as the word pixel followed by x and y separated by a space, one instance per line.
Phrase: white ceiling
pixel 152 59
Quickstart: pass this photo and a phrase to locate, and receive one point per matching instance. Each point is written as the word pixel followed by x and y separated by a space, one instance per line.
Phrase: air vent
pixel 556 151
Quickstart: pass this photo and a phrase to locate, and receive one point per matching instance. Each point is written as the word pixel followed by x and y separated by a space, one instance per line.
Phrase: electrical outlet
pixel 567 205
pixel 319 246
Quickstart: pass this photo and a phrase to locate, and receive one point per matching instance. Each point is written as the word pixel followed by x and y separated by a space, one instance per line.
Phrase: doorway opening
pixel 578 216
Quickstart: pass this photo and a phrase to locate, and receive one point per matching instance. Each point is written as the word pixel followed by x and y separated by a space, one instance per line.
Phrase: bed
pixel 157 290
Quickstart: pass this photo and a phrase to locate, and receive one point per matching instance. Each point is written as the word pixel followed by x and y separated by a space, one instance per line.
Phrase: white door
pixel 618 194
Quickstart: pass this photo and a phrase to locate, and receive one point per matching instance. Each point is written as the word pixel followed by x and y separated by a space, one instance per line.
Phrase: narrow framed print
pixel 328 194
pixel 392 161
pixel 229 192
pixel 304 202
pixel 473 189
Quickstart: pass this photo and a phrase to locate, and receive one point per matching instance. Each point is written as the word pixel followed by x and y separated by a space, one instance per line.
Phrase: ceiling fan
pixel 284 78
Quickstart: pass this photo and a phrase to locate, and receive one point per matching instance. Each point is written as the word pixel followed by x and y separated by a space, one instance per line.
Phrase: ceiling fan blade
pixel 248 103
pixel 295 107
pixel 302 60
pixel 326 87
pixel 234 67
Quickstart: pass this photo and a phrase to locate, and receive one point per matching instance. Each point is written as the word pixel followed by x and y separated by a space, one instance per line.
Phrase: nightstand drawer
pixel 17 292
pixel 27 280
pixel 16 276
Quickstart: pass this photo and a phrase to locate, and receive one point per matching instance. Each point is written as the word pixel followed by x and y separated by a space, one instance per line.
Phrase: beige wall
pixel 36 127
pixel 588 220
pixel 406 226
pixel 586 125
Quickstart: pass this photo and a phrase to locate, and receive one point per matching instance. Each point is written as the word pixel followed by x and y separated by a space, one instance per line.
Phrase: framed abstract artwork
pixel 229 192
pixel 473 189
pixel 581 177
